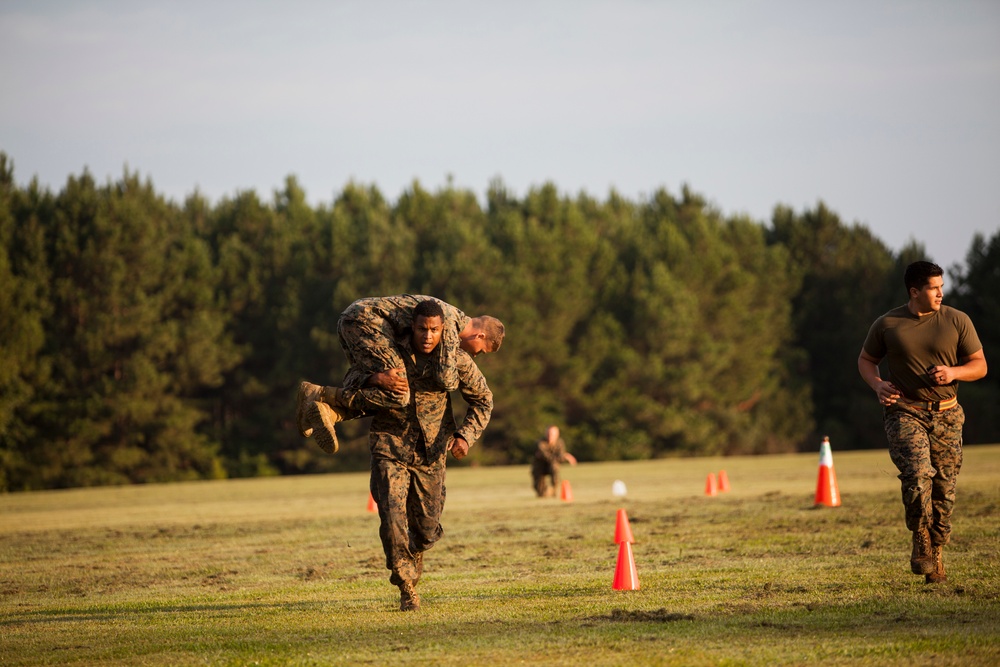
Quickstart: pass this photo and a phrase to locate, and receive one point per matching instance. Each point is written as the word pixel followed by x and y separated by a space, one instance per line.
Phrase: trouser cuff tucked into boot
pixel 938 576
pixel 338 397
pixel 922 558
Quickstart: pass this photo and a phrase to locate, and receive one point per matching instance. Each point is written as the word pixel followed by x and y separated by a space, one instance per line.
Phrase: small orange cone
pixel 827 492
pixel 723 481
pixel 623 531
pixel 566 492
pixel 372 505
pixel 710 488
pixel 626 578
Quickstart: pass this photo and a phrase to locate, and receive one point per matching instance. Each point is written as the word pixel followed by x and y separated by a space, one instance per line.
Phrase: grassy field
pixel 289 571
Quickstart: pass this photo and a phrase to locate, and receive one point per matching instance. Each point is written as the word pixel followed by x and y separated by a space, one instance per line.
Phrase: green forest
pixel 147 340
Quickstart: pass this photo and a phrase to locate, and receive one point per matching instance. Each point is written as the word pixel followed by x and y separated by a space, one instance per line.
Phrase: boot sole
pixel 322 418
pixel 302 401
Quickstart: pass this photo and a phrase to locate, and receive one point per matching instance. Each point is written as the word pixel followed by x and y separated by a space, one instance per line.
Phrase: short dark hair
pixel 919 274
pixel 428 308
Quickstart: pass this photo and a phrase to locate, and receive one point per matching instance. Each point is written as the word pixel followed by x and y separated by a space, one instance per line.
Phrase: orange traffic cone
pixel 566 492
pixel 626 578
pixel 827 492
pixel 723 481
pixel 372 505
pixel 623 531
pixel 710 488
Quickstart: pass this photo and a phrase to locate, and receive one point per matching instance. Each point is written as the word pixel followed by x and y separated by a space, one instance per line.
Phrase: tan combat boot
pixel 938 576
pixel 308 392
pixel 321 418
pixel 922 558
pixel 408 598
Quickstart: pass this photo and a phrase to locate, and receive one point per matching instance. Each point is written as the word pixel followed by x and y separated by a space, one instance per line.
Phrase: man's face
pixel 928 298
pixel 474 345
pixel 426 333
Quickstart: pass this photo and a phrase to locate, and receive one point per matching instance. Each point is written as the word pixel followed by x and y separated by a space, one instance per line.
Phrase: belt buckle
pixel 935 406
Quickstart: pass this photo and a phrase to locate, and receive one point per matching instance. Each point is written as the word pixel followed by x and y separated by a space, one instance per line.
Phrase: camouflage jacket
pixel 397 312
pixel 422 431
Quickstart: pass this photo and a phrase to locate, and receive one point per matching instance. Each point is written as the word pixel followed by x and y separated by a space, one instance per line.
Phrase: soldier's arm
pixel 477 395
pixel 969 369
pixel 868 368
pixel 393 380
pixel 565 456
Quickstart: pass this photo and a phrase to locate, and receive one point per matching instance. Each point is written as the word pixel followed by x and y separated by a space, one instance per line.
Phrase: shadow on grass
pixel 84 615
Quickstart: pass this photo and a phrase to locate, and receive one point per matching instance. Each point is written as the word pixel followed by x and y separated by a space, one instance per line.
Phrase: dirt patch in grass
pixel 660 615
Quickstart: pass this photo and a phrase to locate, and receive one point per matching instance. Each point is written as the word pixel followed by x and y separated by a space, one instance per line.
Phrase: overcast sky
pixel 888 111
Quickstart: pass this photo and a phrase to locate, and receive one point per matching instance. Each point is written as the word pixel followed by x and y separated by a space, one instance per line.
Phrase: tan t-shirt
pixel 910 345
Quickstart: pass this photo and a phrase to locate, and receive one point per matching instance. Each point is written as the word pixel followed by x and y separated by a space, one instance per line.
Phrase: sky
pixel 886 111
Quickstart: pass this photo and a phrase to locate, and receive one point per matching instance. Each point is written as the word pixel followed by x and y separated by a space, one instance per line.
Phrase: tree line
pixel 145 340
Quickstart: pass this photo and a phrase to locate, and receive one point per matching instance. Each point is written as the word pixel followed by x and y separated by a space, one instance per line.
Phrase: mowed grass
pixel 289 571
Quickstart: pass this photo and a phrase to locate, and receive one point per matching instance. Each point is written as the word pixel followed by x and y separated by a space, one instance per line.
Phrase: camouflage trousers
pixel 368 342
pixel 926 448
pixel 410 499
pixel 541 471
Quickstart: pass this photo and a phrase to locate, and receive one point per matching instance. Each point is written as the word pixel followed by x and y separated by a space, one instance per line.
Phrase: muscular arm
pixel 868 368
pixel 970 368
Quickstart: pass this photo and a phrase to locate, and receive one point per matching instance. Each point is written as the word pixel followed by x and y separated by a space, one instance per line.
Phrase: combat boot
pixel 308 392
pixel 408 598
pixel 922 558
pixel 321 418
pixel 938 576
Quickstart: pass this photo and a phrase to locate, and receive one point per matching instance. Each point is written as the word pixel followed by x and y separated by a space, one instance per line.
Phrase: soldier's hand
pixel 459 448
pixel 941 375
pixel 393 380
pixel 887 393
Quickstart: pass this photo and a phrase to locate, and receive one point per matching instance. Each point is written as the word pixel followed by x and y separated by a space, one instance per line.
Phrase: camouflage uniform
pixel 925 445
pixel 409 447
pixel 548 456
pixel 369 329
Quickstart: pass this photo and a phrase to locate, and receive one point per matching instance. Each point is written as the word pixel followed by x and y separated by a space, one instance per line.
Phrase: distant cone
pixel 710 488
pixel 626 578
pixel 827 492
pixel 723 481
pixel 566 492
pixel 372 505
pixel 623 531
